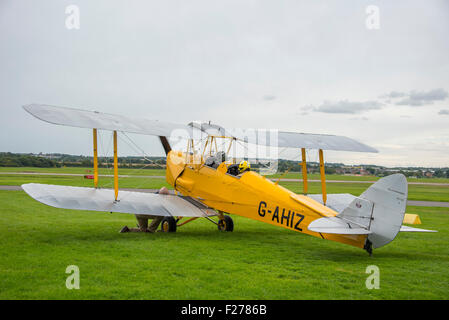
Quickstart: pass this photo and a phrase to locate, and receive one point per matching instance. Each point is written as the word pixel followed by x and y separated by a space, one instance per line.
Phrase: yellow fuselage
pixel 249 195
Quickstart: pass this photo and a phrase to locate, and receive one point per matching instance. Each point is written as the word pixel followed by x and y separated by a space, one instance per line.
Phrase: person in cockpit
pixel 237 169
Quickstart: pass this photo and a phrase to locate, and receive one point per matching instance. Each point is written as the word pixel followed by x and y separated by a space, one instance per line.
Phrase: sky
pixel 375 71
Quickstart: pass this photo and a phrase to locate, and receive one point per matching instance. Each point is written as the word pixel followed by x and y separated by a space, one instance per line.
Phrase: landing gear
pixel 124 229
pixel 368 247
pixel 225 223
pixel 168 224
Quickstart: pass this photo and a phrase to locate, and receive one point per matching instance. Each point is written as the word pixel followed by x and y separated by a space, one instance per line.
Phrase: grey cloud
pixel 308 108
pixel 269 97
pixel 413 98
pixel 432 95
pixel 359 118
pixel 411 102
pixel 444 112
pixel 420 98
pixel 394 94
pixel 348 107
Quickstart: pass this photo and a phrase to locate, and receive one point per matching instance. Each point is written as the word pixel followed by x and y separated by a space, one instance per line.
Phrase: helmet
pixel 244 166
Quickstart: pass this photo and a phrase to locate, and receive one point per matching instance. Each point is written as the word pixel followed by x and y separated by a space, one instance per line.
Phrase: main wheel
pixel 226 224
pixel 168 224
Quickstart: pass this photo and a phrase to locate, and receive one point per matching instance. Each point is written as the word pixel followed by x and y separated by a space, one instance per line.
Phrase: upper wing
pixel 98 120
pixel 92 199
pixel 321 141
pixel 285 139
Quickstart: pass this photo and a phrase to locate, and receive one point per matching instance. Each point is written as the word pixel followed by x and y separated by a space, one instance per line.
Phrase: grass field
pixel 104 182
pixel 81 170
pixel 256 261
pixel 416 192
pixel 316 176
pixel 161 172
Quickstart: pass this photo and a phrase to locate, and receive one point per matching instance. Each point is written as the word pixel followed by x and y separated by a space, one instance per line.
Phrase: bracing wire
pixel 139 151
pixel 137 147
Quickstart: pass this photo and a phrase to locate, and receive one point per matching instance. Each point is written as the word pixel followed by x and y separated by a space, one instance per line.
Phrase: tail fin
pixel 389 198
pixel 378 212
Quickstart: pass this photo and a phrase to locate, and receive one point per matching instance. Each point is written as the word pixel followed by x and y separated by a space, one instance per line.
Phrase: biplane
pixel 205 189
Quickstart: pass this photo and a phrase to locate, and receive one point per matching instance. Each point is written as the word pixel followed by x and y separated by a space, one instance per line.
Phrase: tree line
pixel 8 159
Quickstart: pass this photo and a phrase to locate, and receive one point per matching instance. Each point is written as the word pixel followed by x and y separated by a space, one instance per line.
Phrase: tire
pixel 168 224
pixel 226 224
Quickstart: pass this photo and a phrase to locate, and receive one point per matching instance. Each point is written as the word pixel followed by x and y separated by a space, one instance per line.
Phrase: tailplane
pixel 378 212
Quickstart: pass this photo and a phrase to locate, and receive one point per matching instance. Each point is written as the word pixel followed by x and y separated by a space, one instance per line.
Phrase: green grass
pixel 415 192
pixel 161 172
pixel 103 182
pixel 316 176
pixel 256 261
pixel 81 170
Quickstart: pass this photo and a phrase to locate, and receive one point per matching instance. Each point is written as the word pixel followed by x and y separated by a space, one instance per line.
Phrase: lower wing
pixel 92 199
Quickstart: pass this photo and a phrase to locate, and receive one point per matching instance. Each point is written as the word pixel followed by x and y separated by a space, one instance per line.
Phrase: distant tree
pixel 439 173
pixel 20 160
pixel 329 170
pixel 86 163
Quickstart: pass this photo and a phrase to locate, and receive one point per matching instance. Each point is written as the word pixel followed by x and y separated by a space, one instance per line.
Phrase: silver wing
pixel 105 121
pixel 284 139
pixel 92 199
pixel 98 120
pixel 321 141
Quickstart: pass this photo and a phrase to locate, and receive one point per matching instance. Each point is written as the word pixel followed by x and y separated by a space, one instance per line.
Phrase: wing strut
pixel 304 170
pixel 323 177
pixel 95 158
pixel 165 144
pixel 115 166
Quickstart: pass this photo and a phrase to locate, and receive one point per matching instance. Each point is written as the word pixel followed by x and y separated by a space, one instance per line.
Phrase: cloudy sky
pixel 329 67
